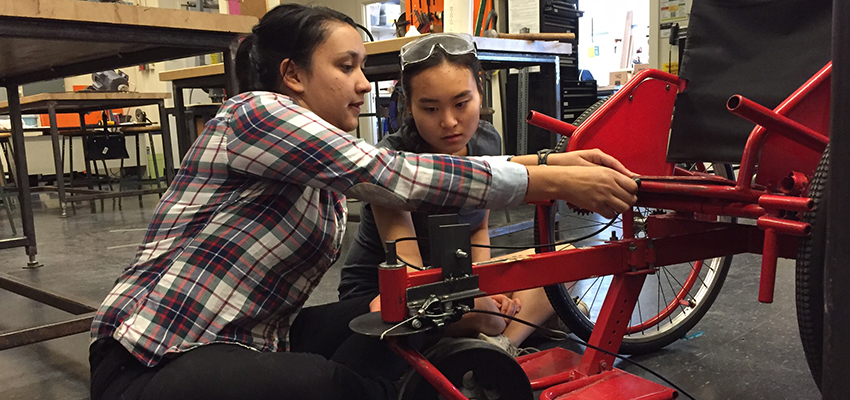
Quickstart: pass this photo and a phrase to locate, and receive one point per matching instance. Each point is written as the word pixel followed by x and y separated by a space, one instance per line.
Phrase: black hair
pixel 412 140
pixel 288 31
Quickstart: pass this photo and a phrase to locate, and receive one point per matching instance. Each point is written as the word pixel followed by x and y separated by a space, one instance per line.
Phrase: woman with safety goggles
pixel 212 305
pixel 442 96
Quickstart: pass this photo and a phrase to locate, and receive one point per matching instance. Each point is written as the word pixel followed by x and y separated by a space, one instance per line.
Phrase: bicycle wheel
pixel 671 302
pixel 809 281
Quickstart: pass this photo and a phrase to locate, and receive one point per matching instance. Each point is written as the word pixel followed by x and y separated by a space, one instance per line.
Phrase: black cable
pixel 416 267
pixel 558 243
pixel 538 246
pixel 581 342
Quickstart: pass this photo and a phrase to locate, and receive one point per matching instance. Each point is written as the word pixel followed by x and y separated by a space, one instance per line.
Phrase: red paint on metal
pixel 784 226
pixel 788 203
pixel 615 384
pixel 767 282
pixel 393 283
pixel 794 184
pixel 776 155
pixel 550 367
pixel 550 124
pixel 612 323
pixel 787 127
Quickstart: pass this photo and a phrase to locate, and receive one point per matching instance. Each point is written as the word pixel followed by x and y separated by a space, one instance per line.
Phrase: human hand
pixel 601 189
pixel 507 305
pixel 588 158
pixel 597 188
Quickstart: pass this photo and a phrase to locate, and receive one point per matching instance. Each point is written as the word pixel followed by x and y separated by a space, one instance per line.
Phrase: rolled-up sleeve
pixel 509 185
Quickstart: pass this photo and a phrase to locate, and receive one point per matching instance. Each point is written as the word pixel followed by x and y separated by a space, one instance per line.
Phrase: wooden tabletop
pixel 192 72
pixel 84 101
pixel 46 39
pixel 113 13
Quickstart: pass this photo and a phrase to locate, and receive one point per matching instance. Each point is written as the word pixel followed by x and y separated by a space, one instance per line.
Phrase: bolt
pixel 461 254
pixel 632 246
pixel 416 324
pixel 667 88
pixel 631 97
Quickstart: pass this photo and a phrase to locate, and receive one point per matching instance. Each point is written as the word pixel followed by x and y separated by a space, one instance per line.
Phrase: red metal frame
pixel 785 161
pixel 636 117
pixel 777 155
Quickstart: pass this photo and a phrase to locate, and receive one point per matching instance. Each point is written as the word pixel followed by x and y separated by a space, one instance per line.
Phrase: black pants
pixel 327 361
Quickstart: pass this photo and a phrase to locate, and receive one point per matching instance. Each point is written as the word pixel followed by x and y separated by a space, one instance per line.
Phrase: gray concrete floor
pixel 746 349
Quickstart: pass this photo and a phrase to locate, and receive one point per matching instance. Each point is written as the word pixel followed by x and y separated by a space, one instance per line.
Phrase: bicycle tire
pixel 809 273
pixel 646 336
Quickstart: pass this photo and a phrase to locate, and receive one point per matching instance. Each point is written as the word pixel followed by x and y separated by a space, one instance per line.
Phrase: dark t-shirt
pixel 359 276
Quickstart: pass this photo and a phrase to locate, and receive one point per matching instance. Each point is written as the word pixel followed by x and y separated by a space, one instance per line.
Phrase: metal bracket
pixel 451 250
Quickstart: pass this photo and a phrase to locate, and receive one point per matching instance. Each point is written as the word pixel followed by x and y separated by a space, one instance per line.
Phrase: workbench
pixel 49 39
pixel 82 103
pixel 382 64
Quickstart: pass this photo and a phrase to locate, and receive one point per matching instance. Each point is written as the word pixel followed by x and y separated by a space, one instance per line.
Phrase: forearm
pixel 306 151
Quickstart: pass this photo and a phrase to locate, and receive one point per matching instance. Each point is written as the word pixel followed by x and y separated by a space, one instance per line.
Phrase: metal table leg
pixel 58 162
pixel 168 157
pixel 24 198
pixel 183 140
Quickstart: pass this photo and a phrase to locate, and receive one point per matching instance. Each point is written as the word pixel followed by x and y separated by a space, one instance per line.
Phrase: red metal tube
pixel 788 203
pixel 651 73
pixel 428 371
pixel 774 122
pixel 708 191
pixel 794 183
pixel 767 282
pixel 783 226
pixel 392 279
pixel 756 139
pixel 702 206
pixel 550 124
pixel 628 218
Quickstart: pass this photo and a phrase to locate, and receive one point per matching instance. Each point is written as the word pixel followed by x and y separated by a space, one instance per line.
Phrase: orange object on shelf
pixel 73 120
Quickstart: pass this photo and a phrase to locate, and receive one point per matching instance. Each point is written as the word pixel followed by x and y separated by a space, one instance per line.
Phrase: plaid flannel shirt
pixel 256 216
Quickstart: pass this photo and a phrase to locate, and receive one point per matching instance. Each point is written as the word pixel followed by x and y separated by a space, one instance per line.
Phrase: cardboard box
pixel 640 67
pixel 619 78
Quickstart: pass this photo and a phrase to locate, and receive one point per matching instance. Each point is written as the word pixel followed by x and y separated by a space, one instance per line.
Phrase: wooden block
pixel 192 72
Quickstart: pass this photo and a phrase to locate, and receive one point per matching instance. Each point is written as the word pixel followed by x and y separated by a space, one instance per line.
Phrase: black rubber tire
pixel 809 282
pixel 497 375
pixel 564 304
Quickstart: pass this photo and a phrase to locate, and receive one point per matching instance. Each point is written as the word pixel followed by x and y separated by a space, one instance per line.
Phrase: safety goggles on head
pixel 455 44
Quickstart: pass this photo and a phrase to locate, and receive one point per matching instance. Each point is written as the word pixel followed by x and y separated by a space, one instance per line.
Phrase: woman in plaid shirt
pixel 211 306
